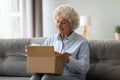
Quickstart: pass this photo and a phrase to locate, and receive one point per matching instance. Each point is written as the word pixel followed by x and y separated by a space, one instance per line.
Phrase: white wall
pixel 104 13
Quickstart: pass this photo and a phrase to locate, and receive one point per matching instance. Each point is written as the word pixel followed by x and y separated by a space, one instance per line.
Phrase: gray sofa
pixel 104 59
pixel 13 59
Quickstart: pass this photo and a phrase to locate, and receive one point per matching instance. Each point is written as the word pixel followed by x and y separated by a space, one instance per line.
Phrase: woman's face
pixel 63 25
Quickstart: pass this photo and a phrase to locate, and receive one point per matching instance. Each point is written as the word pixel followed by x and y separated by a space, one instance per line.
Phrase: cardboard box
pixel 41 59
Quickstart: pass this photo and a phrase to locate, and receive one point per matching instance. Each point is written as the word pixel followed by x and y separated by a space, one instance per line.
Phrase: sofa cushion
pixel 104 50
pixel 14 78
pixel 12 60
pixel 104 59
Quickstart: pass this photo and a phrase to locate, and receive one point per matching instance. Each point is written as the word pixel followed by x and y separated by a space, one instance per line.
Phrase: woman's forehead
pixel 62 18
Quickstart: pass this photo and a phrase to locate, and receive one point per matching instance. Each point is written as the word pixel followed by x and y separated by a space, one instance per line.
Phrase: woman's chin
pixel 60 31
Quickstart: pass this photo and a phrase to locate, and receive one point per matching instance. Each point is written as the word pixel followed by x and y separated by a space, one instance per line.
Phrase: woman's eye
pixel 57 22
pixel 64 22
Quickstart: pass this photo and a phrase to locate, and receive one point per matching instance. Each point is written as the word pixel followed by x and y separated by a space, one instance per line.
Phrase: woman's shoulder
pixel 81 38
pixel 49 40
pixel 52 37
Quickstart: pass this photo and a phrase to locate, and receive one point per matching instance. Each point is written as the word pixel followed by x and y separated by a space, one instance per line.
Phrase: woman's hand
pixel 66 59
pixel 57 54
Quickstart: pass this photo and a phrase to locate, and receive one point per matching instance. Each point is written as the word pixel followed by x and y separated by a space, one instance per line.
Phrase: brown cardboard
pixel 41 59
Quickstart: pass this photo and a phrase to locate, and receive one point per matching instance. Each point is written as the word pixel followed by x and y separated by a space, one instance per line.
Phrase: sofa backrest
pixel 12 62
pixel 12 55
pixel 104 59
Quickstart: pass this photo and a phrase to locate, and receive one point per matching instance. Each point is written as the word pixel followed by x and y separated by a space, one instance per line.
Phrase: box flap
pixel 40 51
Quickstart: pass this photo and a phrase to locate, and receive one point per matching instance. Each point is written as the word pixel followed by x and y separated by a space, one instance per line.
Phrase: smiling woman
pixel 68 41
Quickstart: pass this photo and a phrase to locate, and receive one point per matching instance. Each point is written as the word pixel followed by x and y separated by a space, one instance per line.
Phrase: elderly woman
pixel 67 40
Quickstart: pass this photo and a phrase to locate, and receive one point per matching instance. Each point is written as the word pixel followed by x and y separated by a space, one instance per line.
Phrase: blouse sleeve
pixel 81 64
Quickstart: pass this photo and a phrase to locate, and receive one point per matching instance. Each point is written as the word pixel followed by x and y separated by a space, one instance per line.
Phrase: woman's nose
pixel 59 24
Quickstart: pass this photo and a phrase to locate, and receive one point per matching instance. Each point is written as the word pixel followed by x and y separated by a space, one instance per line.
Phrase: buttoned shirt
pixel 77 46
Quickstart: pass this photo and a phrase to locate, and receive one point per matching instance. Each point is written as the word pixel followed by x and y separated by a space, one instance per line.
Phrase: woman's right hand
pixel 57 54
pixel 66 59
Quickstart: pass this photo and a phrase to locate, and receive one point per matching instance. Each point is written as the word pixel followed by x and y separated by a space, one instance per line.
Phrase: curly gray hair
pixel 69 13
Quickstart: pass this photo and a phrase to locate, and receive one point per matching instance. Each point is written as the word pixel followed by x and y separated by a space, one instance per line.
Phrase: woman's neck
pixel 63 36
